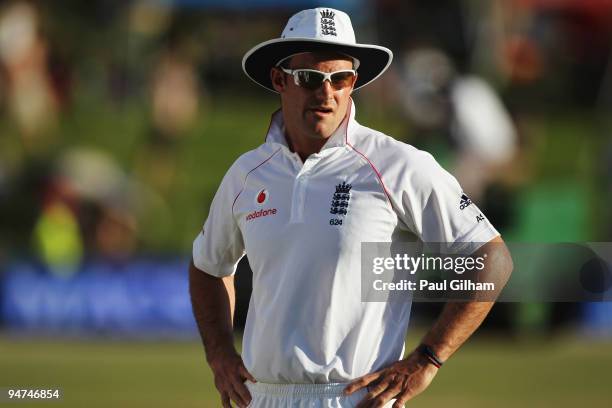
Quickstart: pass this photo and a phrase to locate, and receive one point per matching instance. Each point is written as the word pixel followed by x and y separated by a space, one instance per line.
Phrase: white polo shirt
pixel 302 225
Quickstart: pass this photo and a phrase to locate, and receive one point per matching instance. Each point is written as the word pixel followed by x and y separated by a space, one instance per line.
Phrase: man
pixel 300 205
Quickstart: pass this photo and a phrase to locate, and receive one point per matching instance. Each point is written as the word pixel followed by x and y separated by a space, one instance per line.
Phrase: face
pixel 314 113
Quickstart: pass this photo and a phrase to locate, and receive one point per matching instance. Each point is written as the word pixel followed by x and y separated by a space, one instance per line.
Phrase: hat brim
pixel 257 62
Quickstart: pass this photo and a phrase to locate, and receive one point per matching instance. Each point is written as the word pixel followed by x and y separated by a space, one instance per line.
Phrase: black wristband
pixel 431 356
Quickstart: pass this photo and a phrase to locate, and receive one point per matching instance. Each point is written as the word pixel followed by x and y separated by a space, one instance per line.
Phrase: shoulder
pixel 394 159
pixel 250 160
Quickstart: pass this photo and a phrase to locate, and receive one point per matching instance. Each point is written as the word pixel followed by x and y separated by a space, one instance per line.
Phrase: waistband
pixel 303 390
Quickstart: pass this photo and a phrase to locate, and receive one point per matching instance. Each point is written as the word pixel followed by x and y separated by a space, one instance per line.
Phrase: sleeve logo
pixel 464 202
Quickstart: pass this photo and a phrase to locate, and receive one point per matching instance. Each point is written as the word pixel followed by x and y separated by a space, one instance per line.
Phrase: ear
pixel 277 77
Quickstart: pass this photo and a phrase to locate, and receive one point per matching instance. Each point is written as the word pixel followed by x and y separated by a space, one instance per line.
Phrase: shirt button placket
pixel 299 191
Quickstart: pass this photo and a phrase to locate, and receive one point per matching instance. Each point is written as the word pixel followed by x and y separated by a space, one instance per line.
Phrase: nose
pixel 326 90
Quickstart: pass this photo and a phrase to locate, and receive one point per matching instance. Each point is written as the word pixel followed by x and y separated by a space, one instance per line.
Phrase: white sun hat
pixel 318 29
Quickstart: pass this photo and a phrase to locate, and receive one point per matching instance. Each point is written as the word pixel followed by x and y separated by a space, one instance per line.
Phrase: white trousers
pixel 303 396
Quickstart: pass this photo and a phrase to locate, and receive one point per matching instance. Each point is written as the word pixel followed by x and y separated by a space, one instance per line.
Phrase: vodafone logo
pixel 261 213
pixel 261 197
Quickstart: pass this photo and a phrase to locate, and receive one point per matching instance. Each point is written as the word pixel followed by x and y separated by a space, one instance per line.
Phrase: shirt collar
pixel 340 137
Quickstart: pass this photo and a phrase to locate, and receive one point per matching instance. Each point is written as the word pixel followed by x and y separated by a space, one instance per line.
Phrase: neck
pixel 303 145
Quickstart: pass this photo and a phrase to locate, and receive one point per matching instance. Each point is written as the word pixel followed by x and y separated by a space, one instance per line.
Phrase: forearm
pixel 456 323
pixel 458 320
pixel 213 301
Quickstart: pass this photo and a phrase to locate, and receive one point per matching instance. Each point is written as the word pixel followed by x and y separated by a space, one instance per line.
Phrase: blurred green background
pixel 489 371
pixel 118 120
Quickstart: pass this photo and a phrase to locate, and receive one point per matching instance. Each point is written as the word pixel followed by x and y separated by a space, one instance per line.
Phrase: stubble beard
pixel 321 129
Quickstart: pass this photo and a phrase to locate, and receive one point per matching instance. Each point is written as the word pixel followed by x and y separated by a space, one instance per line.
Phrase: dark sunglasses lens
pixel 342 79
pixel 309 80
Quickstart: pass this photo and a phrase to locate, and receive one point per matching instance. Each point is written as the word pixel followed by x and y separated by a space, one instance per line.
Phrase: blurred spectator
pixel 464 108
pixel 23 54
pixel 108 208
pixel 485 133
pixel 57 235
pixel 561 46
pixel 175 94
pixel 89 208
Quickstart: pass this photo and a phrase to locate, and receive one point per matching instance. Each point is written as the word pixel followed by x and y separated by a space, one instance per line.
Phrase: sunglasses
pixel 313 79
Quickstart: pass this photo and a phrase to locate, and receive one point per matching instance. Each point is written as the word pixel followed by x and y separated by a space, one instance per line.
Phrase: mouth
pixel 320 110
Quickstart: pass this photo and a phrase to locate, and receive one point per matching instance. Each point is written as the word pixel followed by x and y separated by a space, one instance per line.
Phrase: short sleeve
pixel 440 211
pixel 219 246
